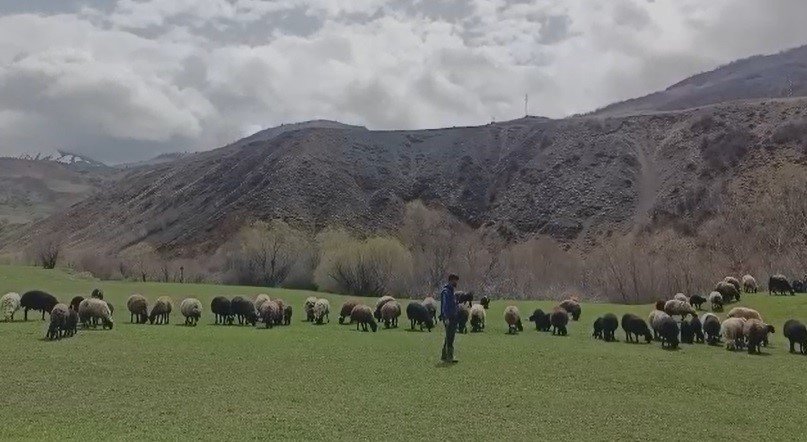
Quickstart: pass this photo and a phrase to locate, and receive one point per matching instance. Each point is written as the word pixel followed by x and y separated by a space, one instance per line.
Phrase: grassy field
pixel 332 382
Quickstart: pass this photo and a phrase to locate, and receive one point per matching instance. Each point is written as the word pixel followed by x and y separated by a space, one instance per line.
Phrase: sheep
pixel 668 330
pixel 321 310
pixel 94 308
pixel 744 312
pixel 259 300
pixel 777 284
pixel 281 304
pixel 138 308
pixel 485 302
pixel 222 310
pixel 716 300
pixel 697 329
pixel 270 313
pixel 681 297
pixel 749 284
pixel 347 307
pixel 191 309
pixel 660 304
pixel 541 320
pixel 733 281
pixel 558 319
pixel 37 300
pixel 655 318
pixel 732 331
pixel 711 328
pixel 75 302
pixel 756 333
pixel 597 333
pixel 161 311
pixel 697 301
pixel 380 303
pixel 463 313
pixel 10 303
pixel 513 319
pixel 465 297
pixel 572 307
pixel 244 311
pixel 675 307
pixel 799 286
pixel 390 312
pixel 58 321
pixel 796 333
pixel 363 316
pixel 71 323
pixel 687 333
pixel 287 312
pixel 634 325
pixel 609 325
pixel 308 308
pixel 419 315
pixel 477 318
pixel 728 291
pixel 431 305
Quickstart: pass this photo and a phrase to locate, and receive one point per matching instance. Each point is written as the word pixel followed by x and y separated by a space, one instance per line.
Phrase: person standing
pixel 448 313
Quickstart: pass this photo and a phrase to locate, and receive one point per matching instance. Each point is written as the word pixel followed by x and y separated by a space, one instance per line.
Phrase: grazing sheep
pixel 668 330
pixel 10 303
pixel 138 308
pixel 749 284
pixel 287 312
pixel 477 318
pixel 463 313
pixel 513 319
pixel 697 301
pixel 796 333
pixel 756 332
pixel 744 312
pixel 161 311
pixel 418 314
pixel 655 318
pixel 191 309
pixel 711 328
pixel 675 307
pixel 597 333
pixel 390 312
pixel 308 308
pixel 716 300
pixel 222 310
pixel 259 300
pixel 322 309
pixel 799 286
pixel 37 300
pixel 465 297
pixel 270 313
pixel 572 307
pixel 541 320
pixel 97 294
pixel 660 305
pixel 681 297
pixel 75 302
pixel 777 285
pixel 733 281
pixel 697 329
pixel 609 325
pixel 687 334
pixel 380 303
pixel 58 321
pixel 728 291
pixel 558 319
pixel 635 326
pixel 282 305
pixel 485 301
pixel 92 309
pixel 732 331
pixel 71 324
pixel 431 305
pixel 347 307
pixel 363 316
pixel 244 311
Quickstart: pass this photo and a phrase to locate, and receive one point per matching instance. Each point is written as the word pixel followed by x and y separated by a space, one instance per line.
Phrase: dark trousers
pixel 448 345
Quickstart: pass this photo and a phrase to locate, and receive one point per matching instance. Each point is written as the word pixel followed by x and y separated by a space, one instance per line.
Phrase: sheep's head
pixel 770 328
pixel 429 323
pixel 373 326
pixel 108 323
pixel 485 301
pixel 648 337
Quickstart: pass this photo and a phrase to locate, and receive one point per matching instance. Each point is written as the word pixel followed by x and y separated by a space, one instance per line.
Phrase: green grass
pixel 330 381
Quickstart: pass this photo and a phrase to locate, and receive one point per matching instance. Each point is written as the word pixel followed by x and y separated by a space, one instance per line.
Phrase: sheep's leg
pixel 792 347
pixel 26 313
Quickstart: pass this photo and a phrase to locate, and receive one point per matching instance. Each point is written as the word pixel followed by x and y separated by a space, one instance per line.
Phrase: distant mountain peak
pixel 70 159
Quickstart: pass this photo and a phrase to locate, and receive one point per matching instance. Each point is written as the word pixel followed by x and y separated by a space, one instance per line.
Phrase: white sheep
pixel 749 284
pixel 9 304
pixel 732 331
pixel 513 319
pixel 716 300
pixel 681 297
pixel 308 308
pixel 744 312
pixel 321 310
pixel 191 309
pixel 259 300
pixel 94 308
pixel 675 307
pixel 477 318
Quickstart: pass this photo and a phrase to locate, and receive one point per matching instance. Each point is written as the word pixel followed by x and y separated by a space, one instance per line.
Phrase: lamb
pixel 697 329
pixel 92 309
pixel 271 313
pixel 244 311
pixel 287 312
pixel 655 318
pixel 558 319
pixel 711 327
pixel 513 320
pixel 687 333
pixel 635 326
pixel 431 305
pixel 191 309
pixel 716 300
pixel 259 300
pixel 485 301
pixel 138 308
pixel 675 307
pixel 363 316
pixel 732 331
pixel 222 310
pixel 541 320
pixel 390 312
pixel 572 307
pixel 749 284
pixel 777 284
pixel 71 324
pixel 463 313
pixel 465 297
pixel 347 307
pixel 321 310
pixel 733 281
pixel 58 321
pixel 419 315
pixel 75 302
pixel 380 303
pixel 37 300
pixel 10 303
pixel 597 333
pixel 477 318
pixel 161 311
pixel 668 330
pixel 796 333
pixel 756 333
pixel 697 301
pixel 609 325
pixel 728 291
pixel 744 312
pixel 681 297
pixel 308 308
pixel 282 305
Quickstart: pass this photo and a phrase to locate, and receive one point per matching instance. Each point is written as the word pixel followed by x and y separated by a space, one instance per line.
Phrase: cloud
pixel 130 79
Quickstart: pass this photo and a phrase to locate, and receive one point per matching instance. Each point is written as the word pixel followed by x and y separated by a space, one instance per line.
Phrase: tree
pixel 266 253
pixel 47 252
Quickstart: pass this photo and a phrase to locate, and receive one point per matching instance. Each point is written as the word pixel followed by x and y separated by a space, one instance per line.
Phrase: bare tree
pixel 47 252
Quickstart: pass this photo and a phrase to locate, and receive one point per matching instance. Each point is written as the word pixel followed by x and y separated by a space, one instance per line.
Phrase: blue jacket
pixel 448 303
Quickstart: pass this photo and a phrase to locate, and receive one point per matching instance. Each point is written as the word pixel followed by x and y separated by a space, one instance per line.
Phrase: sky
pixel 126 80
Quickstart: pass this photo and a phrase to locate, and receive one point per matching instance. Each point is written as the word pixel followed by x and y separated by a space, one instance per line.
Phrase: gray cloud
pixel 130 79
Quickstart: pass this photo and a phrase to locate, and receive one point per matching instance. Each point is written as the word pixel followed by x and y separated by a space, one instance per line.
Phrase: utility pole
pixel 526 104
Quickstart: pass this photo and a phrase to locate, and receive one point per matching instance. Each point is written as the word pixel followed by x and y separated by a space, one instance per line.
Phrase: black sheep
pixel 419 315
pixel 541 320
pixel 465 297
pixel 222 310
pixel 687 334
pixel 75 302
pixel 485 301
pixel 462 318
pixel 799 286
pixel 287 311
pixel 697 301
pixel 244 310
pixel 609 325
pixel 697 329
pixel 58 322
pixel 597 334
pixel 711 328
pixel 559 318
pixel 634 325
pixel 777 284
pixel 38 300
pixel 97 293
pixel 71 323
pixel 796 333
pixel 668 330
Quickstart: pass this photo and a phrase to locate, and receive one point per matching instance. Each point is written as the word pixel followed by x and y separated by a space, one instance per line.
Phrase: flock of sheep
pixel 744 327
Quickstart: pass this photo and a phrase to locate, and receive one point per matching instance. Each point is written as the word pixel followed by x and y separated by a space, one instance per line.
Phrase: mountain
pixel 72 161
pixel 781 75
pixel 159 159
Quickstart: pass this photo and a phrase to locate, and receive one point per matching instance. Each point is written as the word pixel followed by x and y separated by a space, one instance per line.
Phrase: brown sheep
pixel 347 308
pixel 362 315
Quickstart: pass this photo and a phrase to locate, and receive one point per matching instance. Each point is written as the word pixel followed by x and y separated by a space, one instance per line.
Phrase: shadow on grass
pixel 410 330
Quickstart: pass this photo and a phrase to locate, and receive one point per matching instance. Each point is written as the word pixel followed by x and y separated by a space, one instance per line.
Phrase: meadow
pixel 333 382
